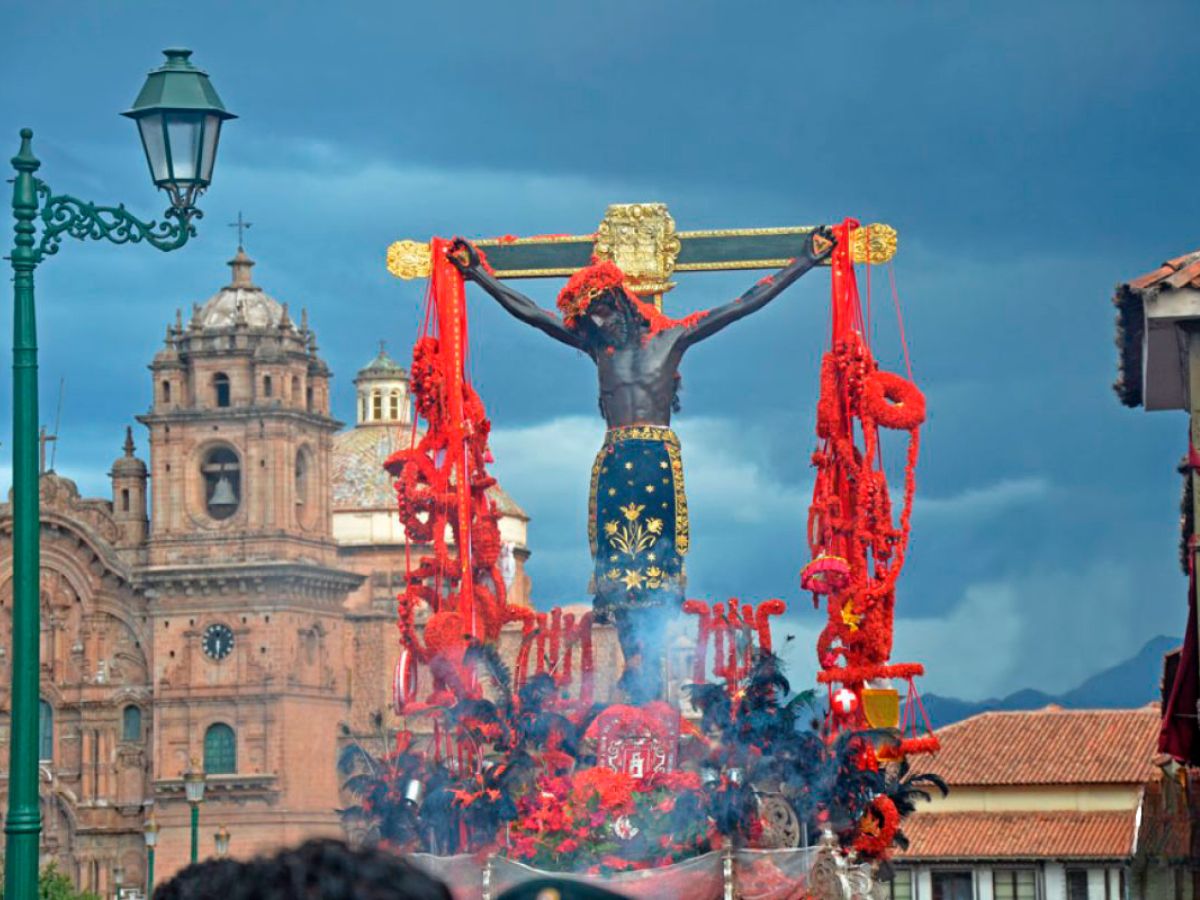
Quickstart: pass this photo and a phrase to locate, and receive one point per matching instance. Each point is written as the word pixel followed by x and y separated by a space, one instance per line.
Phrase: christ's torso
pixel 637 382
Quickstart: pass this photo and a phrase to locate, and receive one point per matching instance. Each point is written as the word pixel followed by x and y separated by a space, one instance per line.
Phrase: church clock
pixel 217 641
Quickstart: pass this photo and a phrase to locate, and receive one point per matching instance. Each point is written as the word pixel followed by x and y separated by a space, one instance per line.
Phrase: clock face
pixel 217 641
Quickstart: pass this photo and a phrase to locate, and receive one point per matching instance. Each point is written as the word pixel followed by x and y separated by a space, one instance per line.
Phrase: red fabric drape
pixel 1180 735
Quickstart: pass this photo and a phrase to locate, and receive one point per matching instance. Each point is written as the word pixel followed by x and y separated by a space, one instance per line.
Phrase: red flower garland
pixel 851 515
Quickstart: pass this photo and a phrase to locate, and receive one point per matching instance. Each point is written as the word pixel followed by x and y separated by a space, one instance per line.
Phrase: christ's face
pixel 604 316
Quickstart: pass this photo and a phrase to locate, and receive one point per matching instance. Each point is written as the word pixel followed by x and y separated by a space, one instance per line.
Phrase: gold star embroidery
pixel 849 617
pixel 649 489
pixel 612 492
pixel 628 465
pixel 651 557
pixel 632 579
pixel 663 464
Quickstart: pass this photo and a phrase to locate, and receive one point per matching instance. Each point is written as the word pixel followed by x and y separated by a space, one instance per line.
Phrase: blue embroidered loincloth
pixel 638 520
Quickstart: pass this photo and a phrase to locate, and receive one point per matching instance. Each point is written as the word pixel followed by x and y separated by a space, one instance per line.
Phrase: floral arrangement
pixel 600 822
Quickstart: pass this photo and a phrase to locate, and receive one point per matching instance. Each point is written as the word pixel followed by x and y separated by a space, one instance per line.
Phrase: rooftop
pixel 1051 746
pixel 1020 835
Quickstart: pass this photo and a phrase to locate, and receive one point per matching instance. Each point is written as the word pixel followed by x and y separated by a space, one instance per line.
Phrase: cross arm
pixel 556 256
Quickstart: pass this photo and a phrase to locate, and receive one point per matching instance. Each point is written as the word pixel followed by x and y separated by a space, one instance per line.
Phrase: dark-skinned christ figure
pixel 637 517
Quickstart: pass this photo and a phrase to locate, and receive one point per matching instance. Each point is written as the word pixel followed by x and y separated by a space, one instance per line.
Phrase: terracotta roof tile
pixel 1178 272
pixel 1049 746
pixel 1020 835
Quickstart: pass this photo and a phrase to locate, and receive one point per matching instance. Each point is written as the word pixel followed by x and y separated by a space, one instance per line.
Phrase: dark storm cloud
pixel 1030 157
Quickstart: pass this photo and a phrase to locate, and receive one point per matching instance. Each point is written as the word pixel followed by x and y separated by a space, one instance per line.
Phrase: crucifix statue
pixel 611 310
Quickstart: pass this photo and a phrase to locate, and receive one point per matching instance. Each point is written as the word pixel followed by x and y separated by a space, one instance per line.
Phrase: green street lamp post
pixel 179 118
pixel 193 788
pixel 150 833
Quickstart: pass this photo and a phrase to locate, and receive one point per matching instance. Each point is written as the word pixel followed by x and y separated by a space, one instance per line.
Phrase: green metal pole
pixel 23 824
pixel 149 871
pixel 195 832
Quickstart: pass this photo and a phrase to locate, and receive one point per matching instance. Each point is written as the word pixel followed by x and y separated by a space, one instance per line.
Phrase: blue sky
pixel 1031 157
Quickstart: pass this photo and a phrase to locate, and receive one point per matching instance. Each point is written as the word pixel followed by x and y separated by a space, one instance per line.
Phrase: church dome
pixel 382 368
pixel 240 302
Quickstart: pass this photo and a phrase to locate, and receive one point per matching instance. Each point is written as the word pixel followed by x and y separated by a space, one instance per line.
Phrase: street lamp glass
pixel 179 118
pixel 193 786
pixel 221 838
pixel 150 832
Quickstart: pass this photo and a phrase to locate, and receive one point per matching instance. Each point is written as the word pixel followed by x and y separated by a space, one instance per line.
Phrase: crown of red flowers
pixel 585 286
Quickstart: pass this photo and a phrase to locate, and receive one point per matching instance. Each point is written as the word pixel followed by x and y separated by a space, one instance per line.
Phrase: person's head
pixel 319 869
pixel 224 878
pixel 558 889
pixel 596 303
pixel 610 319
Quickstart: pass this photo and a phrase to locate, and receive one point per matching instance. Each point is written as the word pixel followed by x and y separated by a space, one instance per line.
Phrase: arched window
pixel 376 406
pixel 301 477
pixel 268 387
pixel 131 723
pixel 166 392
pixel 222 473
pixel 45 732
pixel 221 388
pixel 295 389
pixel 394 404
pixel 220 750
pixel 124 499
pixel 308 399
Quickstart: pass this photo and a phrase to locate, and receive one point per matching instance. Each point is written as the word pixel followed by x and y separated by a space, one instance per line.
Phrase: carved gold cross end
pixel 641 239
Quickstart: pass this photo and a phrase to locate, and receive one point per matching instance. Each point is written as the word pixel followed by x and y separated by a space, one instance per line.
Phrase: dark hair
pixel 319 869
pixel 631 321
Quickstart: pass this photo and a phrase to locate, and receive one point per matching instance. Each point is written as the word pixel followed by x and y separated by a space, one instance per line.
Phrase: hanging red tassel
pixel 857 551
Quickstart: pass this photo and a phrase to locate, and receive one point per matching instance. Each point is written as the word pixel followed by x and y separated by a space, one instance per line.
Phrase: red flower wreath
pixel 875 839
pixel 893 401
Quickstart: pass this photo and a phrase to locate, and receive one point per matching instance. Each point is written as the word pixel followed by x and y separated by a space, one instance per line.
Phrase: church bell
pixel 223 494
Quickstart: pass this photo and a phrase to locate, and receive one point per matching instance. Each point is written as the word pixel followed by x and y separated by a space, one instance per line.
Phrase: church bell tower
pixel 251 670
pixel 240 433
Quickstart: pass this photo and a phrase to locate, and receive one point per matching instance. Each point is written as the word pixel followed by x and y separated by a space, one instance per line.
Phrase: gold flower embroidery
pixel 654 526
pixel 610 528
pixel 632 511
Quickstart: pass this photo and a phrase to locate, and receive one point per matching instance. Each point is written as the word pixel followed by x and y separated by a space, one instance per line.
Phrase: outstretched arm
pixel 466 258
pixel 819 245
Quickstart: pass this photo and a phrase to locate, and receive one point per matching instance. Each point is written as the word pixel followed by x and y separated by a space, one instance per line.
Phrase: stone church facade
pixel 231 606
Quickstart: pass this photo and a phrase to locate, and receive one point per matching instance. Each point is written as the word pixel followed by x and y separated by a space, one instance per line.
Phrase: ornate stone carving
pixel 61 495
pixel 640 238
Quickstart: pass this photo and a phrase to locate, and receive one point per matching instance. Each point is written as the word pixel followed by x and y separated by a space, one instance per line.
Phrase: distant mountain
pixel 1134 682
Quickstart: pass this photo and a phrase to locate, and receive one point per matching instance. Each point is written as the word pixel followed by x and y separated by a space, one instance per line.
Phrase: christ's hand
pixel 820 244
pixel 464 256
